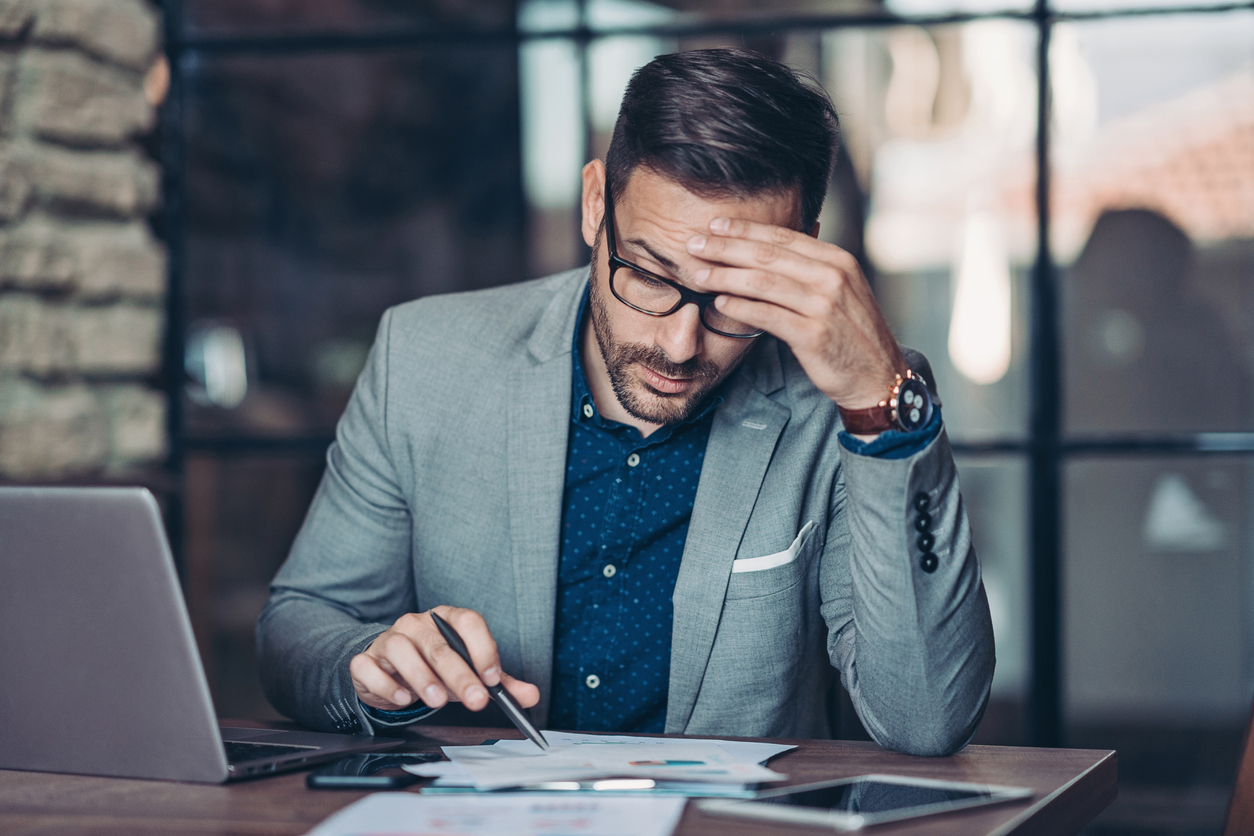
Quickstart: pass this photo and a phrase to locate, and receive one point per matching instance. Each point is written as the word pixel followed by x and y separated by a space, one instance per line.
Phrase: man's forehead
pixel 672 204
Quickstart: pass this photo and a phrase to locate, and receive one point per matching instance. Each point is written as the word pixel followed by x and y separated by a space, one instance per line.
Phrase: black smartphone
pixel 374 771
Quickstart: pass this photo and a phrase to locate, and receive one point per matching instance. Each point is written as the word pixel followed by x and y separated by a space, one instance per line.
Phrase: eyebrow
pixel 655 255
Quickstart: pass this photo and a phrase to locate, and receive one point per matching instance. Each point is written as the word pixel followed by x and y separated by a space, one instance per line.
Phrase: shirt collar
pixel 581 395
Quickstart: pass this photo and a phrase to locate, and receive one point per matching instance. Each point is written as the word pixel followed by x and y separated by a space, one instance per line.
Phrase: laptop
pixel 99 672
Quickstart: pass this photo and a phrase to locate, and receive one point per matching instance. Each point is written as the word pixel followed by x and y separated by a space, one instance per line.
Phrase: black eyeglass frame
pixel 686 296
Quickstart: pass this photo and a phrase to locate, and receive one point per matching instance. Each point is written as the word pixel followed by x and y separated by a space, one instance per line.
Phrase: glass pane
pixel 937 124
pixel 1158 584
pixel 270 17
pixel 1105 5
pixel 322 189
pixel 935 7
pixel 995 493
pixel 242 516
pixel 1154 222
pixel 561 127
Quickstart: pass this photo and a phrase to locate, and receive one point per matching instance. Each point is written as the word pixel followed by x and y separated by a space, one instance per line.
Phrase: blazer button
pixel 921 501
pixel 929 562
pixel 923 522
pixel 926 541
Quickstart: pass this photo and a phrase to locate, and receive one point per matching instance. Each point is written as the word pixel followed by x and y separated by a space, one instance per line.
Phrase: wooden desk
pixel 1072 786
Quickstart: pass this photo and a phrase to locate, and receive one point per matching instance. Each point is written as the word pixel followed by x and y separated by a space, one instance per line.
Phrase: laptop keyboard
pixel 240 752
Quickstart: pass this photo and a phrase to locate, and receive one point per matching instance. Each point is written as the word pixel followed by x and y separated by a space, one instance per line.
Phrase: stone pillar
pixel 82 280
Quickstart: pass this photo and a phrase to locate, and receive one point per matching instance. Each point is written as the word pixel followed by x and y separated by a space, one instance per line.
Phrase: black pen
pixel 511 708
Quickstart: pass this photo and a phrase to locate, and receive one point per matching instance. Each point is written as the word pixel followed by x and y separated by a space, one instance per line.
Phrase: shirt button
pixel 609 570
pixel 592 681
pixel 587 410
pixel 633 460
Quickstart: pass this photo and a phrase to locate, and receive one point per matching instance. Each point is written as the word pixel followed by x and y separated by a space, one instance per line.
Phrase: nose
pixel 681 334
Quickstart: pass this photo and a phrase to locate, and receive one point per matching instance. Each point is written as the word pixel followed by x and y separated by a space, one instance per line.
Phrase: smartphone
pixel 373 771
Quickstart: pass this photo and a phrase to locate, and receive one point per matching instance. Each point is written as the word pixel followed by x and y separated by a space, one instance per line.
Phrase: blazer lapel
pixel 539 423
pixel 742 440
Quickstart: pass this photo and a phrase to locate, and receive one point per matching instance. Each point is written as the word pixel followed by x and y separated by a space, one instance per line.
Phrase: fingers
pixel 775 288
pixel 789 269
pixel 458 677
pixel 398 649
pixel 767 316
pixel 391 674
pixel 745 252
pixel 475 634
pixel 784 238
pixel 413 660
pixel 525 693
pixel 375 687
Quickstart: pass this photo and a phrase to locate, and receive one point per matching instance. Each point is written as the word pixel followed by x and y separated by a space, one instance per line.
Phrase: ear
pixel 593 201
pixel 814 233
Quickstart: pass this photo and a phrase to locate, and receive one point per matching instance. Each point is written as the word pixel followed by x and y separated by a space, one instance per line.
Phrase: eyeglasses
pixel 656 295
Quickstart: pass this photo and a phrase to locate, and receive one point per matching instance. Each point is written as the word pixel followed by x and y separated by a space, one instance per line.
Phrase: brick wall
pixel 82 279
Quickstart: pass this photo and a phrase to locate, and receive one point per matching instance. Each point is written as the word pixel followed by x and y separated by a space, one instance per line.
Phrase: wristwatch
pixel 908 407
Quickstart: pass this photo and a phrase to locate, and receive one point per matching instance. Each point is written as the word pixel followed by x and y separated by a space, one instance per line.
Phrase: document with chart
pixel 717 765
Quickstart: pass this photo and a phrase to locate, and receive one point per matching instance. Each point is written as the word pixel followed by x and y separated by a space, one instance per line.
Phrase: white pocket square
pixel 770 561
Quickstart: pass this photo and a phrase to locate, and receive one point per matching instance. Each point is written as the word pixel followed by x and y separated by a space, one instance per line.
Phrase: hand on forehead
pixel 656 216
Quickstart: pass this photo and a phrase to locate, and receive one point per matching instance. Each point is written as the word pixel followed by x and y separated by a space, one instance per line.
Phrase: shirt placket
pixel 620 536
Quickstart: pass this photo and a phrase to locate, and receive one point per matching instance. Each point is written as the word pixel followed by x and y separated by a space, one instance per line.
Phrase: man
pixel 627 486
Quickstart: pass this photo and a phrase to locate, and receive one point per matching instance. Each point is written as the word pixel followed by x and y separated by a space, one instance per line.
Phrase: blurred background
pixel 206 205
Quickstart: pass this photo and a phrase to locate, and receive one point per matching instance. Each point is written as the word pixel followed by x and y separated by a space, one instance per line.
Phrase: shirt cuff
pixel 394 719
pixel 894 444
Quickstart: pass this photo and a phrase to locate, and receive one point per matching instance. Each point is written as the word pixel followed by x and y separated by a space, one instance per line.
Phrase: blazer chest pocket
pixel 753 577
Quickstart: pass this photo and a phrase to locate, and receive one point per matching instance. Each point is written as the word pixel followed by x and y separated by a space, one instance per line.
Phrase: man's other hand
pixel 808 293
pixel 412 661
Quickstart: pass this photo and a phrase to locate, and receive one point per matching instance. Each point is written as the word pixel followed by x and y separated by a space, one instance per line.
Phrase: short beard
pixel 648 405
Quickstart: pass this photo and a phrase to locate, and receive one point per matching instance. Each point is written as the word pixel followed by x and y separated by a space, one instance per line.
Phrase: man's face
pixel 662 368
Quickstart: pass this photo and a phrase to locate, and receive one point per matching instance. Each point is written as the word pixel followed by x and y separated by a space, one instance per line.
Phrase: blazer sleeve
pixel 349 573
pixel 914 648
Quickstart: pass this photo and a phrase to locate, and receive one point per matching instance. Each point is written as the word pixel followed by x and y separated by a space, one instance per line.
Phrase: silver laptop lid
pixel 99 672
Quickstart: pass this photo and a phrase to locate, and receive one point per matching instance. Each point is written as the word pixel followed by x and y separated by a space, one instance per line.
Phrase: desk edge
pixel 1027 814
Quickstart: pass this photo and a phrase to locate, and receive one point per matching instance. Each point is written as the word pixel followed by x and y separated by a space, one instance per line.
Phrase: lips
pixel 665 385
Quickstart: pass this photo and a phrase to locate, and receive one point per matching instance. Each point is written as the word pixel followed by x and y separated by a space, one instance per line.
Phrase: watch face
pixel 914 405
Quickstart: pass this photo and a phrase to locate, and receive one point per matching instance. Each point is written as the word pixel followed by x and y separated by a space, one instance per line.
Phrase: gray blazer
pixel 444 486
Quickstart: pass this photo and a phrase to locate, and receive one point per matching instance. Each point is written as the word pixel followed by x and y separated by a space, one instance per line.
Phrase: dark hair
pixel 726 122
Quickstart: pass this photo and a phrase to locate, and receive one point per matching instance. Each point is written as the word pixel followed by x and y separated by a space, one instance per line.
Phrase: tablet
pixel 852 803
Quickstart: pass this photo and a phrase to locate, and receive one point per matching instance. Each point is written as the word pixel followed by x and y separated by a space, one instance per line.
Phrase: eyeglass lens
pixel 655 296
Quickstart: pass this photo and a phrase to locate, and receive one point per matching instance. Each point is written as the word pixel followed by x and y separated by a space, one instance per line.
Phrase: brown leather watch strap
pixel 879 418
pixel 873 419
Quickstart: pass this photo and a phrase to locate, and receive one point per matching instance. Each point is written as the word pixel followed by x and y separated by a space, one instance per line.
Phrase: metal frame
pixel 1045 447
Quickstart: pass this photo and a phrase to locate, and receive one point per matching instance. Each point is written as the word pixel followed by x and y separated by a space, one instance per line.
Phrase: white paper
pixel 499 767
pixel 580 757
pixel 741 750
pixel 514 814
